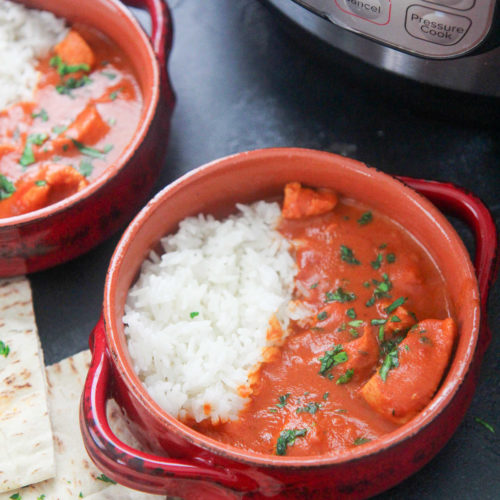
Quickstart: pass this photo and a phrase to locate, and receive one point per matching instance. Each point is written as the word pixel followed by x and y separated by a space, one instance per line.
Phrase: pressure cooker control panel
pixel 428 28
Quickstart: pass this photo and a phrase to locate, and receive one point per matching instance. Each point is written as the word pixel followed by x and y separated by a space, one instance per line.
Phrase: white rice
pixel 235 274
pixel 25 36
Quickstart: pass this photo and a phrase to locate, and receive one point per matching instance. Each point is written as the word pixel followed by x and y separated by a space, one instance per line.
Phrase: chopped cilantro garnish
pixel 311 408
pixel 272 410
pixel 407 347
pixel 425 340
pixel 15 496
pixel 325 395
pixel 28 156
pixel 485 424
pixel 365 218
pixel 40 183
pixel 41 497
pixel 354 332
pixel 283 400
pixel 343 379
pixel 105 479
pixel 391 361
pixel 65 69
pixel 377 262
pixel 395 319
pixel 87 150
pixel 287 438
pixel 390 258
pixel 377 322
pixel 339 296
pixel 322 315
pixel 381 290
pixel 109 75
pixel 59 129
pixel 4 349
pixel 314 285
pixel 332 358
pixel 356 323
pixel 80 495
pixel 367 284
pixel 113 95
pixel 395 305
pixel 347 255
pixel 193 314
pixel 381 333
pixel 107 148
pixel 86 168
pixel 71 83
pixel 41 114
pixel 361 440
pixel 351 313
pixel 340 410
pixel 7 188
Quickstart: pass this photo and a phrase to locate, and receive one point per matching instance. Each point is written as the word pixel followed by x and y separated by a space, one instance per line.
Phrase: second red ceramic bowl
pixel 66 229
pixel 200 467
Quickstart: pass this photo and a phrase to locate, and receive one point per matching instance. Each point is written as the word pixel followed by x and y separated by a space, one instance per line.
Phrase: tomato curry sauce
pixel 85 110
pixel 372 347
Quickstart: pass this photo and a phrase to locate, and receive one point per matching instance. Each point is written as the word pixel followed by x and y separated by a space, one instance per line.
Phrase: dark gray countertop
pixel 242 83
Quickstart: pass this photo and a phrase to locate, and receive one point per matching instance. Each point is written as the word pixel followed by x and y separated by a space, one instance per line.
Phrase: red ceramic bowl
pixel 62 231
pixel 200 467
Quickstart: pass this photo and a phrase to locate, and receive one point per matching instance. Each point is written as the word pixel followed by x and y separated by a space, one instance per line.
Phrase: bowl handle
pixel 136 469
pixel 469 208
pixel 161 39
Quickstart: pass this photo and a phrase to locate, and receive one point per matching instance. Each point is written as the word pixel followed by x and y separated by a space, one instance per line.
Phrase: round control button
pixel 368 9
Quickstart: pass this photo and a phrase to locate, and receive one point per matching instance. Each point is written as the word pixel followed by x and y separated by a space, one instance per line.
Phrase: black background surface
pixel 243 83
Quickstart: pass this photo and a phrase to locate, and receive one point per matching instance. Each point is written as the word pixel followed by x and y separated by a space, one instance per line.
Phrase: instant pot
pixel 445 44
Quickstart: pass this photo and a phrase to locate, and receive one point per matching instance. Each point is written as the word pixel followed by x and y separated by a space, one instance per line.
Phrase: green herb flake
pixel 391 361
pixel 16 496
pixel 425 340
pixel 351 313
pixel 365 218
pixel 377 322
pixel 384 245
pixel 339 296
pixel 343 379
pixel 381 333
pixel 272 410
pixel 194 314
pixel 325 396
pixel 28 157
pixel 4 349
pixel 105 479
pixel 407 347
pixel 80 495
pixel 340 410
pixel 314 285
pixel 59 129
pixel 41 497
pixel 354 333
pixel 395 319
pixel 7 188
pixel 367 284
pixel 71 84
pixel 322 315
pixel 377 262
pixel 287 438
pixel 311 408
pixel 107 148
pixel 112 122
pixel 42 114
pixel 355 323
pixel 347 255
pixel 395 305
pixel 390 258
pixel 485 424
pixel 332 358
pixel 113 95
pixel 89 151
pixel 86 168
pixel 108 75
pixel 283 400
pixel 361 440
pixel 40 183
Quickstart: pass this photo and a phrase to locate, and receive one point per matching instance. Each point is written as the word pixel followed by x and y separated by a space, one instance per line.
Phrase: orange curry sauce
pixel 365 282
pixel 85 109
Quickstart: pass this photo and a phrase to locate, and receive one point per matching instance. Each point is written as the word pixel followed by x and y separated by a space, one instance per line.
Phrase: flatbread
pixel 76 476
pixel 26 450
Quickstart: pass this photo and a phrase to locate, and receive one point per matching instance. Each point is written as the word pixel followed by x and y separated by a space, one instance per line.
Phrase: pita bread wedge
pixel 76 476
pixel 27 451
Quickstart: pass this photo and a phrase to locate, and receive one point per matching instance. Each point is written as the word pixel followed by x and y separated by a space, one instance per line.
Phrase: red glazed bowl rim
pixel 137 138
pixel 449 386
